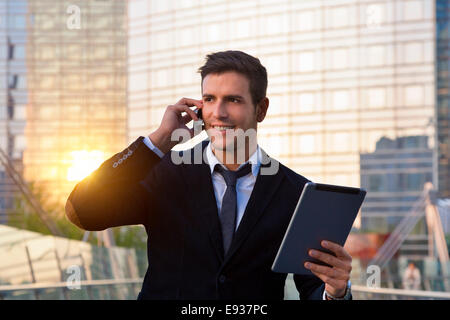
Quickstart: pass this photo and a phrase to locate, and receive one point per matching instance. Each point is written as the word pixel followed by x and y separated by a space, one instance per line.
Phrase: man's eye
pixel 235 100
pixel 207 99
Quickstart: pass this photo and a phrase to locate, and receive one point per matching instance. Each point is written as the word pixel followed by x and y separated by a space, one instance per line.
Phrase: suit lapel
pixel 262 194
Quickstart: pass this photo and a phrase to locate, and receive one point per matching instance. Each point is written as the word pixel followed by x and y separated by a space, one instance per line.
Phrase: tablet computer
pixel 323 212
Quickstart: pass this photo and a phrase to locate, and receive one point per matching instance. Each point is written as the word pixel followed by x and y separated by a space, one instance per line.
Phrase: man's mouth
pixel 223 128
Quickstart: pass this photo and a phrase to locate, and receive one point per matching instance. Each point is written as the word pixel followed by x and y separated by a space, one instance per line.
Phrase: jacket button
pixel 222 279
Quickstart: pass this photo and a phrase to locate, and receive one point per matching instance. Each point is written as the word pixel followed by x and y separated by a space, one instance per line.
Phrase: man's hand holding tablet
pixel 337 275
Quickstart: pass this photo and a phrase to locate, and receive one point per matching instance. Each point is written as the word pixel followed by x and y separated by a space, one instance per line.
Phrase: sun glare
pixel 84 163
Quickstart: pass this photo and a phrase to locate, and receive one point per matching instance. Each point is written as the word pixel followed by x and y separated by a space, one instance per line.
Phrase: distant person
pixel 411 277
pixel 215 225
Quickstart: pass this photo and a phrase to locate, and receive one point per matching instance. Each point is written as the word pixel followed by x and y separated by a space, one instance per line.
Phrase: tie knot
pixel 232 176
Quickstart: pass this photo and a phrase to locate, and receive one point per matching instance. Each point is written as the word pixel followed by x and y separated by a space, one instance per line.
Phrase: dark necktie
pixel 229 202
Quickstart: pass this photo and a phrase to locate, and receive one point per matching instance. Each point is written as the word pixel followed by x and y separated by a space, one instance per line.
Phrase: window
pixel 242 28
pixel 274 64
pixel 137 81
pixel 339 58
pixel 276 104
pixel 413 95
pixel 17 21
pixel 376 97
pixel 185 37
pixel 138 118
pixel 374 15
pixel 340 100
pixel 160 5
pixel 340 142
pixel 376 55
pixel 412 52
pixel 73 51
pixel 160 78
pixel 72 81
pixel 304 61
pixel 412 10
pixel 306 102
pixel 307 144
pixel 45 52
pixel 138 45
pixel 305 21
pixel 44 22
pixel 102 82
pixel 339 17
pixel 137 9
pixel 47 82
pixel 375 182
pixel 276 24
pixel 19 52
pixel 214 32
pixel 20 142
pixel 102 52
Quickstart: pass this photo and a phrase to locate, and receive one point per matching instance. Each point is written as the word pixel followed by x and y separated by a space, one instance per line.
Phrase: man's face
pixel 227 105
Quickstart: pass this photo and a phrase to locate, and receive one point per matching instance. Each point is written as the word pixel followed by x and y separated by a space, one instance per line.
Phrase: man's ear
pixel 261 109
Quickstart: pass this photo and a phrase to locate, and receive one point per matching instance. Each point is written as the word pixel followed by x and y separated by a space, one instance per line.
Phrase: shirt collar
pixel 254 160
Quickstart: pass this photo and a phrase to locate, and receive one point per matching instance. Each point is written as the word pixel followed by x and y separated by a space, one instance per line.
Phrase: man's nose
pixel 220 110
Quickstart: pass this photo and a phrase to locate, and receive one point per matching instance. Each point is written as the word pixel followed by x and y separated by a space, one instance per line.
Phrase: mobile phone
pixel 200 121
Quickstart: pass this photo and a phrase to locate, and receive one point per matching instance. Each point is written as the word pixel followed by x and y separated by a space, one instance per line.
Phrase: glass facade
pixel 443 95
pixel 342 74
pixel 76 81
pixel 394 176
pixel 14 96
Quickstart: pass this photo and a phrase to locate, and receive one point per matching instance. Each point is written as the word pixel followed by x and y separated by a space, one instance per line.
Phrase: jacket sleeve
pixel 309 287
pixel 113 195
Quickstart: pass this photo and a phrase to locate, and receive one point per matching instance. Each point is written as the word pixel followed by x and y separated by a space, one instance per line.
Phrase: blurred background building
pixel 443 94
pixel 63 89
pixel 13 94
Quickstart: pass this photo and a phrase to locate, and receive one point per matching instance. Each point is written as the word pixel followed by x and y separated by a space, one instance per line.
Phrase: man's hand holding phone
pixel 174 119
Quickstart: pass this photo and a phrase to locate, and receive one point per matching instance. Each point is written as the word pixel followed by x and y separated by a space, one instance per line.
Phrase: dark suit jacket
pixel 177 206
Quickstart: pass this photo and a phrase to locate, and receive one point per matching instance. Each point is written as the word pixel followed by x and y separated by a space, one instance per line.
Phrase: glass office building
pixel 342 73
pixel 394 176
pixel 66 86
pixel 443 95
pixel 13 94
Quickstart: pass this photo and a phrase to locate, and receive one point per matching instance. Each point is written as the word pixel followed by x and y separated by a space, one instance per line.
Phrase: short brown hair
pixel 240 62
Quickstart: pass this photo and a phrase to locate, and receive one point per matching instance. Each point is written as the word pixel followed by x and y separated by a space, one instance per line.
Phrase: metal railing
pixel 359 292
pixel 35 288
pixel 363 292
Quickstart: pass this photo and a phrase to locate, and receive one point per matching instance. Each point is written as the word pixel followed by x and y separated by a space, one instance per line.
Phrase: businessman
pixel 214 226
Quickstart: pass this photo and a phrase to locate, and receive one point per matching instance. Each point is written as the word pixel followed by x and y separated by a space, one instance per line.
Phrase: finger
pixel 184 108
pixel 337 249
pixel 331 260
pixel 191 102
pixel 330 281
pixel 327 271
